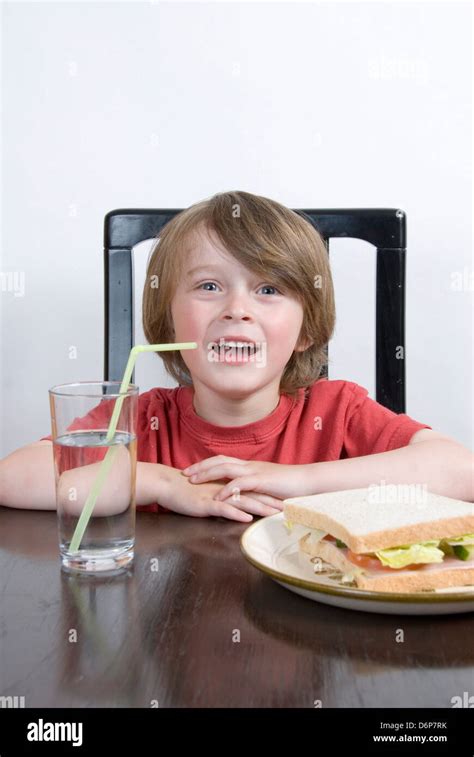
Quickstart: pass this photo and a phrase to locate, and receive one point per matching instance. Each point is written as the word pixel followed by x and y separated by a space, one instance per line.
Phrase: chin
pixel 235 387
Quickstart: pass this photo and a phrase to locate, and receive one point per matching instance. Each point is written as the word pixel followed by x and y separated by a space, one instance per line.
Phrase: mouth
pixel 233 351
pixel 234 346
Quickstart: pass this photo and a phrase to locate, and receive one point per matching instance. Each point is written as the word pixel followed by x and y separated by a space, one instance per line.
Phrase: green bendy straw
pixel 111 452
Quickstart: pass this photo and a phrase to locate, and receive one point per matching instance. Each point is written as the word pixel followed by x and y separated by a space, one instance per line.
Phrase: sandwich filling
pixel 398 557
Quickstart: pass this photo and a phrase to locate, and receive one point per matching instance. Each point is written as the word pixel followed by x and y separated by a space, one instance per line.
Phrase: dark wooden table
pixel 166 636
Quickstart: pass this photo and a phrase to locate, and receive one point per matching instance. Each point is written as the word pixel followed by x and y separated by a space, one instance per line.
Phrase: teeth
pixel 238 344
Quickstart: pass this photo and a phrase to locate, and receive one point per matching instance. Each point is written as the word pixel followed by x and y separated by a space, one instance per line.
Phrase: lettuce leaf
pixel 400 557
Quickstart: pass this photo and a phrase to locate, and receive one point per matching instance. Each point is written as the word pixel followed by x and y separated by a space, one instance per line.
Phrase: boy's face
pixel 225 299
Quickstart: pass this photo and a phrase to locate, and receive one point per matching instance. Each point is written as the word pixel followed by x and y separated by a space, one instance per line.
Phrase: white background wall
pixel 158 104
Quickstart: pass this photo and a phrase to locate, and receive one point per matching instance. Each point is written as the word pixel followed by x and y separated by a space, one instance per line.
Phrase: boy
pixel 251 410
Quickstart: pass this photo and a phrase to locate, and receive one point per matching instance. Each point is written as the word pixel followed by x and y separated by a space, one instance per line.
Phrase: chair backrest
pixel 385 228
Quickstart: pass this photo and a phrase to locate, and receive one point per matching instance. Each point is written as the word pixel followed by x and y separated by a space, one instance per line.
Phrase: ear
pixel 303 344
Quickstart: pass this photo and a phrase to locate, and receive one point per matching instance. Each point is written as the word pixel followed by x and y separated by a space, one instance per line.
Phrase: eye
pixel 213 283
pixel 269 286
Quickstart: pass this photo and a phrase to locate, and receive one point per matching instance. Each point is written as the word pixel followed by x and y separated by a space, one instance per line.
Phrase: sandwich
pixel 386 544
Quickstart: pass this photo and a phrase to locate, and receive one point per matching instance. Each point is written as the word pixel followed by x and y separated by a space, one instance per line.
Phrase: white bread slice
pixel 451 572
pixel 356 517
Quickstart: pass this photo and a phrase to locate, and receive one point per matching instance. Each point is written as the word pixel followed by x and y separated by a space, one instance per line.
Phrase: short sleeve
pixel 371 427
pixel 97 418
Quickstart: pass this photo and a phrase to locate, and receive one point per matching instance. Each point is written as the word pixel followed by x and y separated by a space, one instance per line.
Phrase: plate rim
pixel 345 592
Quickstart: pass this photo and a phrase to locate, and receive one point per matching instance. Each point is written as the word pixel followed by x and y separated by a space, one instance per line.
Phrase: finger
pixel 223 470
pixel 225 510
pixel 249 483
pixel 250 505
pixel 267 500
pixel 209 462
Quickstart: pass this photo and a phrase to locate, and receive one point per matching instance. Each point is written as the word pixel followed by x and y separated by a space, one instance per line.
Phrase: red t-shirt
pixel 330 420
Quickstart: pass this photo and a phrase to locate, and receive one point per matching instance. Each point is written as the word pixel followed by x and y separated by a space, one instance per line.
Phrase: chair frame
pixel 385 228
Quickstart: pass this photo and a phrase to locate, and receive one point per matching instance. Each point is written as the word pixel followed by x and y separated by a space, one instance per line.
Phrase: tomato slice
pixel 373 563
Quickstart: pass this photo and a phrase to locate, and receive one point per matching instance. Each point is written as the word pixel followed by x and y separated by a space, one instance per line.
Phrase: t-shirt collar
pixel 249 432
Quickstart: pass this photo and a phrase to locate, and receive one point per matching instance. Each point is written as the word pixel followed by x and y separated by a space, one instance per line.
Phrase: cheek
pixel 185 318
pixel 283 330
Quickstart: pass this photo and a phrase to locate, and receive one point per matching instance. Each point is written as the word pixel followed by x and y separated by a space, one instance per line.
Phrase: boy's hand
pixel 273 479
pixel 181 496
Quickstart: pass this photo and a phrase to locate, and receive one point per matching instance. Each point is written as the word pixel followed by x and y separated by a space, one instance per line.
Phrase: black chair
pixel 383 227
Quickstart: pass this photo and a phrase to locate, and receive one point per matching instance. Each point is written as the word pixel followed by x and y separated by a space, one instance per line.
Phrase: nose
pixel 237 307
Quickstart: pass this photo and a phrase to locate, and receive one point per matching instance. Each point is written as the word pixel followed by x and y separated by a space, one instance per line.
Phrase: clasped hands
pixel 275 480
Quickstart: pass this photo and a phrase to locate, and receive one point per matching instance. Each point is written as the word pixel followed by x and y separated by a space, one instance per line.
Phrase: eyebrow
pixel 203 268
pixel 213 267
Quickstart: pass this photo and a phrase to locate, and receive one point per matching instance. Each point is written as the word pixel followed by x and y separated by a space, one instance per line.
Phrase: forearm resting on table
pixel 27 481
pixel 27 478
pixel 444 467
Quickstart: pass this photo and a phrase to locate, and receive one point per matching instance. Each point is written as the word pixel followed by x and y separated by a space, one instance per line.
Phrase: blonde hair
pixel 271 241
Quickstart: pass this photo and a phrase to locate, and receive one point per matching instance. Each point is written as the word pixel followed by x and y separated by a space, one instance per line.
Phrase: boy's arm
pixel 442 464
pixel 27 478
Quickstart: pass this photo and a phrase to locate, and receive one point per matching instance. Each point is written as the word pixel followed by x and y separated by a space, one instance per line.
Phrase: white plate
pixel 268 545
